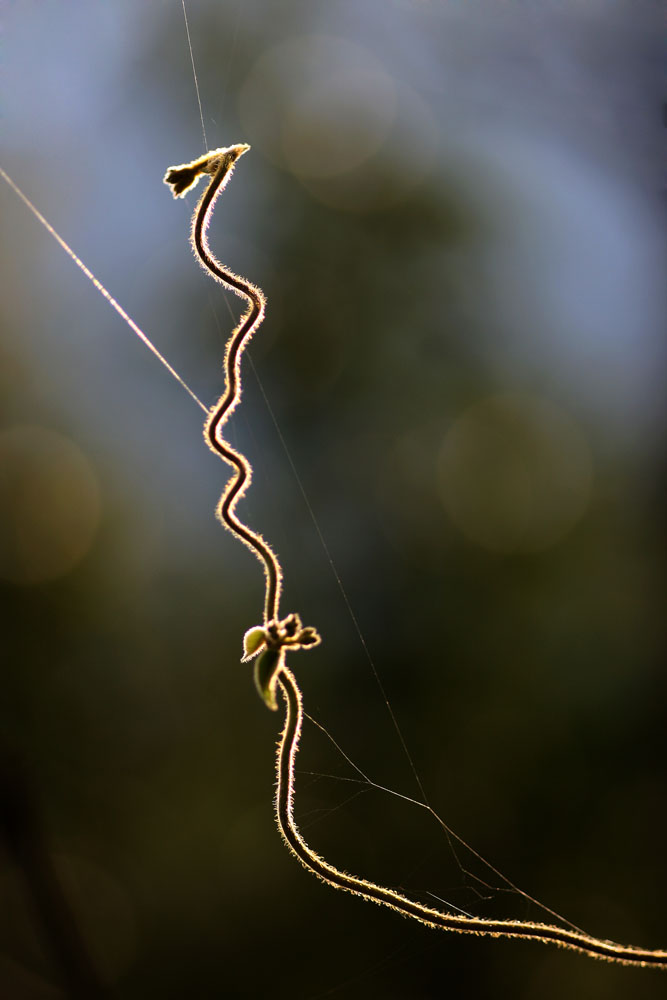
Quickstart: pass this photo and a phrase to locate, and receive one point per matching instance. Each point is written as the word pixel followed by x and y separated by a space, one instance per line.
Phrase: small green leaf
pixel 265 674
pixel 253 642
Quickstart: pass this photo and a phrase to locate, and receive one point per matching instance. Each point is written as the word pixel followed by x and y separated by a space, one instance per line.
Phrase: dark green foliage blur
pixel 456 211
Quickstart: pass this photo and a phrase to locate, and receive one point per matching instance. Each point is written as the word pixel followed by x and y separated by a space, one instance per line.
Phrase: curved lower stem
pixel 547 933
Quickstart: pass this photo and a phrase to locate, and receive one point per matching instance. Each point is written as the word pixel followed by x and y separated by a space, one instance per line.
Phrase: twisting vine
pixel 271 641
pixel 274 636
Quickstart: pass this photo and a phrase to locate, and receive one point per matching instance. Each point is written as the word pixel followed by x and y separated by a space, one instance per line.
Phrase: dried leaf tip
pixel 184 177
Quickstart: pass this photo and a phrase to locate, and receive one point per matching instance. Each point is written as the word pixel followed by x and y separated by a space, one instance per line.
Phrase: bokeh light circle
pixel 325 109
pixel 514 473
pixel 49 504
pixel 318 105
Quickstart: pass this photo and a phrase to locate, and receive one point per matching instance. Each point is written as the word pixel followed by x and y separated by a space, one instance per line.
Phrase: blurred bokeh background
pixel 456 210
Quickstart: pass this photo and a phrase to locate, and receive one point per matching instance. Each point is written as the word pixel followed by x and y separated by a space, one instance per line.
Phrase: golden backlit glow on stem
pixel 270 643
pixel 563 937
pixel 220 164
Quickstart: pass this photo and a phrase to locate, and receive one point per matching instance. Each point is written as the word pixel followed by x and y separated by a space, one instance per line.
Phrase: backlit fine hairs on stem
pixel 220 164
pixel 438 919
pixel 271 641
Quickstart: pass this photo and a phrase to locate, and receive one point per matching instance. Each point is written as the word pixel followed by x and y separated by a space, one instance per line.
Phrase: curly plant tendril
pixel 274 636
pixel 270 642
pixel 220 164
